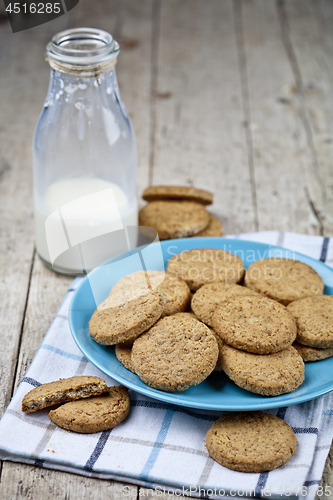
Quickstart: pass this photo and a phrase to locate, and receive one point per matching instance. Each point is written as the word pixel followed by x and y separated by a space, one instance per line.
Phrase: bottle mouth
pixel 81 48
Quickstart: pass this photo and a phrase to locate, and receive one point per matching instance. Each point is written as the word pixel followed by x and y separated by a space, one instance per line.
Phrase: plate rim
pixel 172 398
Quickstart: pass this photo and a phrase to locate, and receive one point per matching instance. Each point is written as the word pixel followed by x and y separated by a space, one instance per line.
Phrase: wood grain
pixel 199 133
pixel 281 158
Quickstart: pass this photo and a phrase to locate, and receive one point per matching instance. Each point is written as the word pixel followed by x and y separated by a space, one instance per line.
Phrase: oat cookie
pixel 312 353
pixel 175 353
pixel 95 414
pixel 254 324
pixel 123 353
pixel 174 219
pixel 176 294
pixel 284 280
pixel 214 227
pixel 314 318
pixel 220 343
pixel 124 322
pixel 60 391
pixel 206 265
pixel 266 374
pixel 251 441
pixel 208 297
pixel 153 193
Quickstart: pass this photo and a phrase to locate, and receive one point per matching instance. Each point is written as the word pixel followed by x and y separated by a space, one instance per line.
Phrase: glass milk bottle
pixel 84 157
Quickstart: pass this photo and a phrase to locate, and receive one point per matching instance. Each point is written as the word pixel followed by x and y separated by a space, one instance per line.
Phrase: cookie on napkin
pixel 251 441
pixel 95 414
pixel 60 391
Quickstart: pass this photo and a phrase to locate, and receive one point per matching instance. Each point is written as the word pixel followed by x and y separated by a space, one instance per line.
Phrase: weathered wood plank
pixel 281 159
pixel 33 483
pixel 199 136
pixel 17 237
pixel 309 29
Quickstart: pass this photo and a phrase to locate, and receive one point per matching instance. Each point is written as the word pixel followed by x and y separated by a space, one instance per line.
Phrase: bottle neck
pixel 88 70
pixel 73 89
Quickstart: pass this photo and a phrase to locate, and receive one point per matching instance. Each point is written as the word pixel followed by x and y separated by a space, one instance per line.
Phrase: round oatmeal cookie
pixel 314 318
pixel 94 414
pixel 123 353
pixel 206 265
pixel 176 294
pixel 174 219
pixel 208 297
pixel 202 196
pixel 61 391
pixel 214 228
pixel 312 353
pixel 251 441
pixel 114 324
pixel 265 374
pixel 220 343
pixel 175 353
pixel 284 280
pixel 254 324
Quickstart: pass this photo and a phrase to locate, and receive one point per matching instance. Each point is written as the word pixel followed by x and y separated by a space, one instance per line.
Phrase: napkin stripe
pixel 56 350
pixel 166 406
pixel 157 445
pixel 324 249
pixel 262 480
pixel 98 450
pixel 305 430
pixel 31 381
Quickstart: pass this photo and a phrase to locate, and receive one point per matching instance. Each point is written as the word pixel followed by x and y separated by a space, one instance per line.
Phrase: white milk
pixel 83 222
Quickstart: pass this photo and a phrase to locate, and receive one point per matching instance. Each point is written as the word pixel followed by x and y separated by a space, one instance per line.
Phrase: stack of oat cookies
pixel 179 212
pixel 207 313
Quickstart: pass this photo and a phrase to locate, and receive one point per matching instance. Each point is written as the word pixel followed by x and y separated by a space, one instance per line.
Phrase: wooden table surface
pixel 235 96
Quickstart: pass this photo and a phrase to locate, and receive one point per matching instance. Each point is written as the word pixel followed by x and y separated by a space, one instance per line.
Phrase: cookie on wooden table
pixel 206 265
pixel 153 193
pixel 251 441
pixel 174 219
pixel 214 228
pixel 175 353
pixel 284 280
pixel 314 318
pixel 265 374
pixel 60 391
pixel 114 324
pixel 254 324
pixel 176 294
pixel 208 297
pixel 312 353
pixel 95 414
pixel 123 353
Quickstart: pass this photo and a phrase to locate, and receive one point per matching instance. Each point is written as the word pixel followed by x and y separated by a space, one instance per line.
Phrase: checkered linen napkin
pixel 160 445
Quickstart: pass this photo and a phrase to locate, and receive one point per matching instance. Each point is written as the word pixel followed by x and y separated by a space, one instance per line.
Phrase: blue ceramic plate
pixel 217 392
